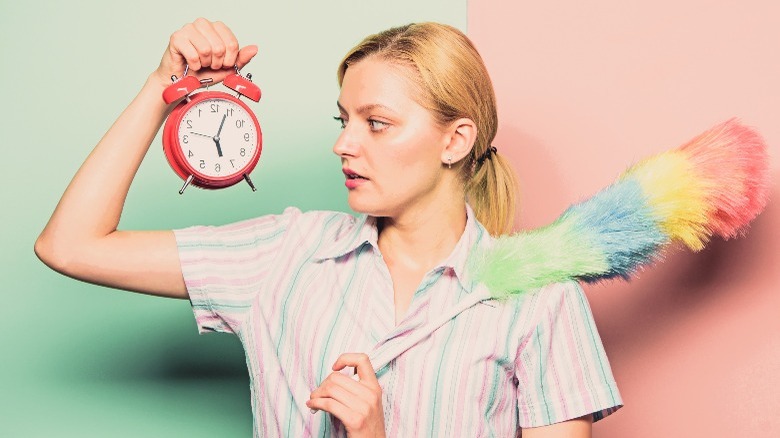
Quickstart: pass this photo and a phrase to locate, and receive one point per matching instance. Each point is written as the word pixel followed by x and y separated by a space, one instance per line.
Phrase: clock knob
pixel 243 86
pixel 180 88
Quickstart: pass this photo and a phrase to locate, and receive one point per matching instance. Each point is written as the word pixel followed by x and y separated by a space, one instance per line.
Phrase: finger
pixel 325 391
pixel 245 55
pixel 181 46
pixel 344 389
pixel 230 41
pixel 362 364
pixel 216 45
pixel 201 45
pixel 333 407
pixel 336 391
pixel 359 392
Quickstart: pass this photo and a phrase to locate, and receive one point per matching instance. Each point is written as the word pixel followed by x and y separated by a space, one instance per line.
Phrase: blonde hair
pixel 453 83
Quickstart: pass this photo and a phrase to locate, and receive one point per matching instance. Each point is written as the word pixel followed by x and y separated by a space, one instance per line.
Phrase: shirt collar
pixel 472 238
pixel 364 231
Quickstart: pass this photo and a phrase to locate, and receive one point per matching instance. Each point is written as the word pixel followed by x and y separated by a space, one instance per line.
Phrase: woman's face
pixel 390 147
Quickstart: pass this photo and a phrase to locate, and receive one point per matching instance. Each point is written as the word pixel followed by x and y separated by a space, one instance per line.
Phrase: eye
pixel 341 121
pixel 376 125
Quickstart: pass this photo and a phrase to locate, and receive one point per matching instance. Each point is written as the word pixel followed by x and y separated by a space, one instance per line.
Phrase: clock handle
pixel 249 181
pixel 242 85
pixel 181 88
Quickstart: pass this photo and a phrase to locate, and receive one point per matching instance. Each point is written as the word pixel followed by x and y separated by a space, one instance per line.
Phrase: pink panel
pixel 587 88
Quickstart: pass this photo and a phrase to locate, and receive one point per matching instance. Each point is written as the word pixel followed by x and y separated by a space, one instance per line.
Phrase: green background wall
pixel 82 360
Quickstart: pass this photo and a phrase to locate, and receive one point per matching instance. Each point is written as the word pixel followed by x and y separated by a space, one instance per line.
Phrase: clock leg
pixel 186 183
pixel 249 181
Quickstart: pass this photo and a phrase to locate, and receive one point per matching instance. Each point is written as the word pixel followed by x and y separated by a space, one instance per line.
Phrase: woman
pixel 310 294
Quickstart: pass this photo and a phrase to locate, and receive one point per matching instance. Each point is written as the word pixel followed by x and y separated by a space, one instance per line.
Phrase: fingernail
pixel 312 410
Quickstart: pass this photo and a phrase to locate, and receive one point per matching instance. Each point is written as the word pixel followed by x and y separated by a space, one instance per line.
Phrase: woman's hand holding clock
pixel 209 49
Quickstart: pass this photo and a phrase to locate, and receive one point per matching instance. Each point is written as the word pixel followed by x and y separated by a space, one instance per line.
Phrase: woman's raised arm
pixel 81 239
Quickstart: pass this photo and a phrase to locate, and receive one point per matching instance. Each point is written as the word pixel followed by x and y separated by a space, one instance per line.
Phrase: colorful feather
pixel 713 185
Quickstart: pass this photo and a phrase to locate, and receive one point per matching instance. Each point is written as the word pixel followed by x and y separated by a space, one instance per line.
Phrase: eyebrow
pixel 366 108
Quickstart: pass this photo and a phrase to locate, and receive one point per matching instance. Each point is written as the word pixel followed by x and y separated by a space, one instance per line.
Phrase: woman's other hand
pixel 209 48
pixel 357 403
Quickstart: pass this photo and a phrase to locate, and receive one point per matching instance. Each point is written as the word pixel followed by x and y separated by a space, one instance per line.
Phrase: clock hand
pixel 219 148
pixel 221 124
pixel 198 133
pixel 216 137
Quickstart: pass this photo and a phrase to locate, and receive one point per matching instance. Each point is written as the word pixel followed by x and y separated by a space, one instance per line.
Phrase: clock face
pixel 218 137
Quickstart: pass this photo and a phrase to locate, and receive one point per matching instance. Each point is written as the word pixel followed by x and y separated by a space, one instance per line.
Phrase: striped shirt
pixel 299 289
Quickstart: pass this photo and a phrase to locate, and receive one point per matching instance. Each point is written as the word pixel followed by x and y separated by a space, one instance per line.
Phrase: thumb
pixel 245 55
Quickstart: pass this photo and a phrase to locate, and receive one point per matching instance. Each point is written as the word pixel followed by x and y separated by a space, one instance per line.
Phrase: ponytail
pixel 492 193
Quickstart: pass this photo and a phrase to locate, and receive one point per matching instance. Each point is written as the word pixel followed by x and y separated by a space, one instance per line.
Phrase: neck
pixel 422 238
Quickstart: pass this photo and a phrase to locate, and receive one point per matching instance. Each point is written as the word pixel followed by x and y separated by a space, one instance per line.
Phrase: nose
pixel 347 145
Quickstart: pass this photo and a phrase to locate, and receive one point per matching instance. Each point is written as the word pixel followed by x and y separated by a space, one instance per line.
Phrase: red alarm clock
pixel 211 138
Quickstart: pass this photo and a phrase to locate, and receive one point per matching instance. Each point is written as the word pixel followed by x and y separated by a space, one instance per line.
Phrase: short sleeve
pixel 562 369
pixel 224 267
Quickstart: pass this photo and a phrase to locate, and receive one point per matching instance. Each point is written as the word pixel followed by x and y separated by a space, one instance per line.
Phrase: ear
pixel 460 138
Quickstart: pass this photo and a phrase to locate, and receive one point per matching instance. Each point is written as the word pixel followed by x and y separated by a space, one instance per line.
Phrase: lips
pixel 351 174
pixel 354 179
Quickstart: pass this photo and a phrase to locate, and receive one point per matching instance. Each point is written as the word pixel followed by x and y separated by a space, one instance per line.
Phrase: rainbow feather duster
pixel 713 185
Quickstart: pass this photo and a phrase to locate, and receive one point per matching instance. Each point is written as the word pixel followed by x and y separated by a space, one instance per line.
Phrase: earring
pixel 449 162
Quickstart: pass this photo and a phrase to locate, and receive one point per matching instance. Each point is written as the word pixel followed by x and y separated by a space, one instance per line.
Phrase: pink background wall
pixel 586 88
